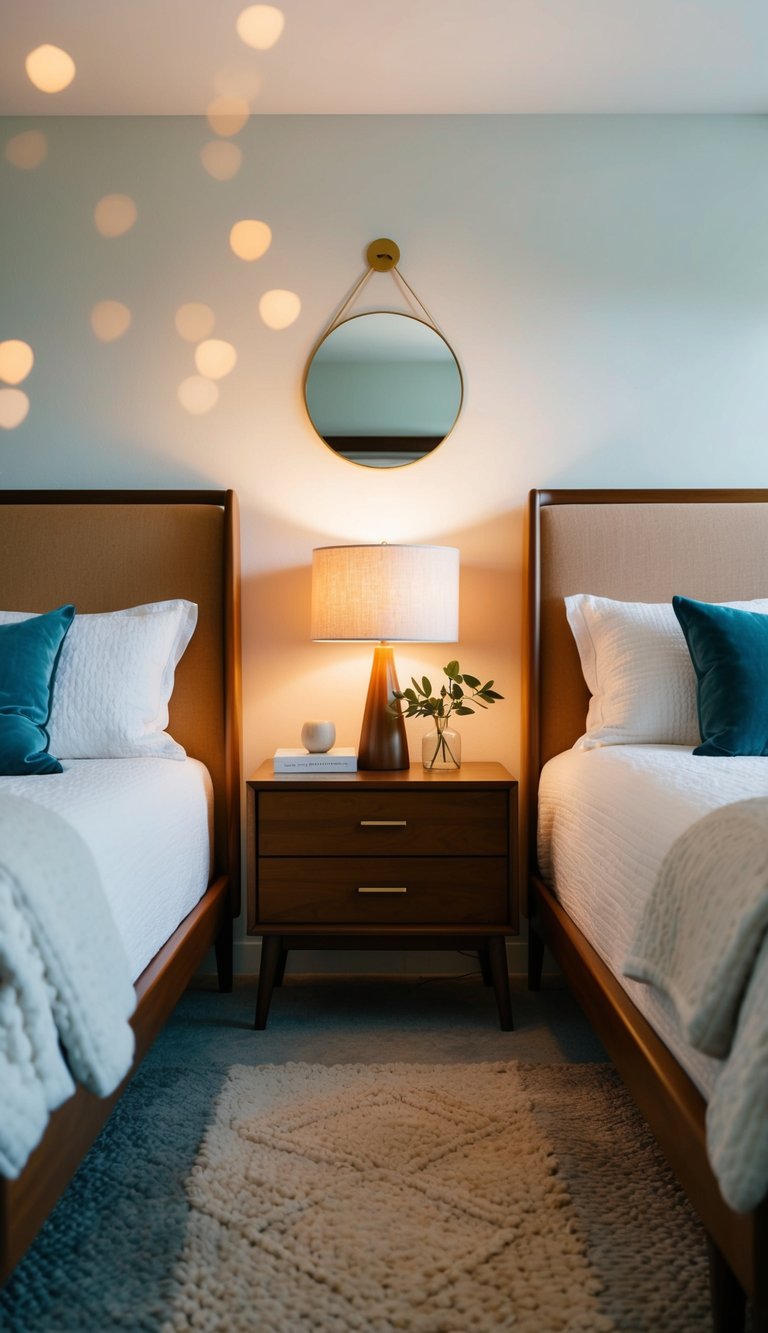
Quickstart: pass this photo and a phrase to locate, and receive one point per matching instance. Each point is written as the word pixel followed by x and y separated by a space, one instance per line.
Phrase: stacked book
pixel 341 760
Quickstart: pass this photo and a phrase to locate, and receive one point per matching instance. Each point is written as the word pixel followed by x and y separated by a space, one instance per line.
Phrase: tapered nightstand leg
pixel 485 967
pixel 497 957
pixel 271 949
pixel 280 973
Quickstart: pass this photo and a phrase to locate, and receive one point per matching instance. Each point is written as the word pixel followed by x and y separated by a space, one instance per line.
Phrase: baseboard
pixel 364 962
pixel 389 962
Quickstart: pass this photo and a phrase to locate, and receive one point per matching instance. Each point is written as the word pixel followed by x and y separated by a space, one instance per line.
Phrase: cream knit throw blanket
pixel 703 940
pixel 64 977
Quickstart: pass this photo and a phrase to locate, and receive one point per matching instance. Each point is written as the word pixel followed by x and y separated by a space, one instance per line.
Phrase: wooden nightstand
pixel 401 860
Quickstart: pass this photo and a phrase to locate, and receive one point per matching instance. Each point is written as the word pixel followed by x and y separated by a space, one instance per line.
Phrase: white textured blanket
pixel 65 987
pixel 703 940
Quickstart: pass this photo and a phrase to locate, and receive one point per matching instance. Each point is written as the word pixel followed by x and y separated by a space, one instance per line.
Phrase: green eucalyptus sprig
pixel 421 702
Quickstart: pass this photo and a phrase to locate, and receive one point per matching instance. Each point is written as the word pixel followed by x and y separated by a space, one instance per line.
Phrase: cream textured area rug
pixel 432 1199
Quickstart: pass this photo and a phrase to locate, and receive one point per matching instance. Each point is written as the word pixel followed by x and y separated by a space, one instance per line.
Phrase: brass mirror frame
pixel 364 314
pixel 383 256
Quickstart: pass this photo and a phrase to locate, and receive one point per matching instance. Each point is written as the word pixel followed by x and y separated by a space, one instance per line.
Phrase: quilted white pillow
pixel 113 684
pixel 638 670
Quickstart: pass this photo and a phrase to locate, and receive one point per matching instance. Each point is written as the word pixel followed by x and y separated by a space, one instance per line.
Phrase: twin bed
pixel 160 832
pixel 607 820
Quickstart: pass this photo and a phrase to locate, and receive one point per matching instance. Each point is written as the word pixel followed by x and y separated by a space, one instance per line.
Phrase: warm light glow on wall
pixel 279 308
pixel 115 214
pixel 50 68
pixel 16 360
pixel 110 320
pixel 221 159
pixel 237 81
pixel 250 239
pixel 27 150
pixel 198 395
pixel 260 26
pixel 194 321
pixel 227 115
pixel 215 358
pixel 14 406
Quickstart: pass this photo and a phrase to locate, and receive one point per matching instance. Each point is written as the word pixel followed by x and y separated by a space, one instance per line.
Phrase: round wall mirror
pixel 383 389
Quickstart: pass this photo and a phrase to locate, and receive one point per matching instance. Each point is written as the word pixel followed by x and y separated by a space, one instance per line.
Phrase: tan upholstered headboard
pixel 104 550
pixel 639 546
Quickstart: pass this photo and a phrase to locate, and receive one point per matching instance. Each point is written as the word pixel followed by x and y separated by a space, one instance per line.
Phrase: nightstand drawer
pixel 392 890
pixel 383 823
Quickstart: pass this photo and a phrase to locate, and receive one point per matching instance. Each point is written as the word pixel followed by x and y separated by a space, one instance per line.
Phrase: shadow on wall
pixel 617 463
pixel 133 465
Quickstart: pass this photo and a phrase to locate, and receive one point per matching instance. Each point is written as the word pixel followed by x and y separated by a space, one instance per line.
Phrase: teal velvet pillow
pixel 729 651
pixel 29 656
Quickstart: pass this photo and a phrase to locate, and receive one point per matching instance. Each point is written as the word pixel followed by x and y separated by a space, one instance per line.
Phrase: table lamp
pixel 388 594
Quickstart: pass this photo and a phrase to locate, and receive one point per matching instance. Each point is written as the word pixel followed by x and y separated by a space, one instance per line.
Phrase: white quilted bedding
pixel 147 823
pixel 64 983
pixel 607 818
pixel 98 865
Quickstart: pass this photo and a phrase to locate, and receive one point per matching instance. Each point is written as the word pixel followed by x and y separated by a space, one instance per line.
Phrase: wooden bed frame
pixel 104 550
pixel 637 546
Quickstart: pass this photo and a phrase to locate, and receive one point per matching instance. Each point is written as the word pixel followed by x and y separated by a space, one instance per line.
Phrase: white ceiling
pixel 171 57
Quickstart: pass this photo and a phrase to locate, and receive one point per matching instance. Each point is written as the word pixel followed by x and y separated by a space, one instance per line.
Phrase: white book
pixel 341 760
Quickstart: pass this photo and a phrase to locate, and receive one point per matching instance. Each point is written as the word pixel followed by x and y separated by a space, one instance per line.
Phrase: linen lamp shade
pixel 387 594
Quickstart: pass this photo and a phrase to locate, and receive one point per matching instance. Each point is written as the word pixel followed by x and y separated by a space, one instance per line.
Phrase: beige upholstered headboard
pixel 639 546
pixel 104 550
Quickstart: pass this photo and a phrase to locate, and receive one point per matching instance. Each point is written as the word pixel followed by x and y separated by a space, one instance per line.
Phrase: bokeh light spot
pixel 198 395
pixel 115 214
pixel 14 406
pixel 250 239
pixel 110 320
pixel 50 68
pixel 260 26
pixel 16 360
pixel 221 159
pixel 27 150
pixel 194 321
pixel 279 308
pixel 215 358
pixel 227 115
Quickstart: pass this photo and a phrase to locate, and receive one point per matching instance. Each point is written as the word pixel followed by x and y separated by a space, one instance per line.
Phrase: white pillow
pixel 638 670
pixel 113 683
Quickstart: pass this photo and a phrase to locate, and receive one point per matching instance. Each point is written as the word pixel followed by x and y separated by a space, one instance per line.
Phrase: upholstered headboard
pixel 634 546
pixel 104 550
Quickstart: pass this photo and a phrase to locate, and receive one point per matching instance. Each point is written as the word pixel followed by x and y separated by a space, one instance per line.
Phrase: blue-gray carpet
pixel 105 1258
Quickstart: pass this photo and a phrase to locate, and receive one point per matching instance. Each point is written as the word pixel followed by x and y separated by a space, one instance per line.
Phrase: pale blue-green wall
pixel 603 280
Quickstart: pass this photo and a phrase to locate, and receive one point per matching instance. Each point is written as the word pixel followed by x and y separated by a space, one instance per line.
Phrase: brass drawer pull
pixel 396 889
pixel 383 823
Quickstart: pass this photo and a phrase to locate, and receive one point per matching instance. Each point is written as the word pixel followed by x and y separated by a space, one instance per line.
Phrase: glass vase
pixel 441 746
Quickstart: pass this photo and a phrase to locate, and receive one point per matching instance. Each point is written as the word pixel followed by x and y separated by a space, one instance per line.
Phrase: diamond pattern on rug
pixel 374 1198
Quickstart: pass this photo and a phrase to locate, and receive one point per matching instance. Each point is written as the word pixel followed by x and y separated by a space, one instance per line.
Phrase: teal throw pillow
pixel 729 652
pixel 29 656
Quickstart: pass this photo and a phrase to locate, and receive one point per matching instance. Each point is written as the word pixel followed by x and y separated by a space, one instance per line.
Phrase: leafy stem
pixel 452 698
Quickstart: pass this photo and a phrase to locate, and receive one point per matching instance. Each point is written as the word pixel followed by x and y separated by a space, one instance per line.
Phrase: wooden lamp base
pixel 383 742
